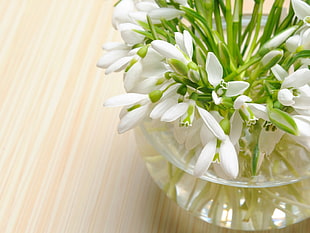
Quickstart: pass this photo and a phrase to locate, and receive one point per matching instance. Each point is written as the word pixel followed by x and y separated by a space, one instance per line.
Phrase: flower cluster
pixel 197 63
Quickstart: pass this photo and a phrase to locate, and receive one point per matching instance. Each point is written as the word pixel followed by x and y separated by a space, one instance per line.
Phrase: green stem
pixel 257 31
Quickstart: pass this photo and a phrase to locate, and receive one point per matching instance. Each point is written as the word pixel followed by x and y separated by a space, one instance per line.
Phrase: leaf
pixel 283 121
pixel 255 159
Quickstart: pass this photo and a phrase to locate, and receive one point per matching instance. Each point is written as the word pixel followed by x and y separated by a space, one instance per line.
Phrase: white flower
pixel 303 124
pixel 168 50
pixel 297 81
pixel 137 108
pixel 144 75
pixel 241 104
pixel 227 152
pixel 215 77
pixel 300 41
pixel 302 10
pixel 121 12
pixel 129 34
pixel 164 13
pixel 115 52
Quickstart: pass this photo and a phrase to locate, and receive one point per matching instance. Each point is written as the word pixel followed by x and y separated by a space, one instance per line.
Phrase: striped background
pixel 63 168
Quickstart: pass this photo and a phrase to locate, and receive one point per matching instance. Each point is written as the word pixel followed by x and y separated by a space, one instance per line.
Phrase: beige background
pixel 63 168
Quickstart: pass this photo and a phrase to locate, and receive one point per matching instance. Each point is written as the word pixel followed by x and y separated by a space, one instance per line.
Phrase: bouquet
pixel 213 71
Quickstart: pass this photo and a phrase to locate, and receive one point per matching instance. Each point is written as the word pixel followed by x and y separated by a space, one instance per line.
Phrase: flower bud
pixel 182 90
pixel 178 66
pixel 277 40
pixel 143 51
pixel 155 95
pixel 225 124
pixel 272 58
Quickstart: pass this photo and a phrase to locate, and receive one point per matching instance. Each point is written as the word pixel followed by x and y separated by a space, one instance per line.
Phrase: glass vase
pixel 276 196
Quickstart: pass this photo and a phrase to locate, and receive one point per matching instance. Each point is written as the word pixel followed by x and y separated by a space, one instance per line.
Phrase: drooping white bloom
pixel 302 10
pixel 214 70
pixel 168 50
pixel 129 33
pixel 303 125
pixel 121 12
pixel 115 52
pixel 294 88
pixel 137 108
pixel 164 13
pixel 300 41
pixel 144 75
pixel 227 152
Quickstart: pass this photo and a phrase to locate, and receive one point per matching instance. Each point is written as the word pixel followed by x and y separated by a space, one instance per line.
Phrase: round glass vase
pixel 277 196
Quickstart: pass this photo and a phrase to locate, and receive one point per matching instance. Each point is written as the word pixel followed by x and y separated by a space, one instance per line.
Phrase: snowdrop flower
pixel 164 13
pixel 294 88
pixel 299 41
pixel 188 136
pixel 245 111
pixel 146 74
pixel 117 53
pixel 129 35
pixel 121 12
pixel 137 107
pixel 303 124
pixel 227 152
pixel 215 77
pixel 302 10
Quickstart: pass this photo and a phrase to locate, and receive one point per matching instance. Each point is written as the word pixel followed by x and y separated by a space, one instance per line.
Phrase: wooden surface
pixel 63 167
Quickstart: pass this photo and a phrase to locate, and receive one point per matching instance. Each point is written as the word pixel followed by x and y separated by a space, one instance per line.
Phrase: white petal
pixel 206 135
pixel 306 39
pixel 129 35
pixel 179 133
pixel 229 158
pixel 259 110
pixel 211 123
pixel 279 72
pixel 120 13
pixel 124 99
pixel 188 43
pixel 301 9
pixel 297 79
pixel 303 125
pixel 133 76
pixel 217 100
pixel 304 141
pixel 268 140
pixel 110 57
pixel 165 13
pixel 174 112
pixel 286 97
pixel 214 69
pixel 205 158
pixel 162 107
pixel 133 118
pixel 138 16
pixel 302 101
pixel 146 6
pixel 235 88
pixel 118 65
pixel 271 55
pixel 292 43
pixel 192 139
pixel 145 86
pixel 236 125
pixel 168 50
pixel 277 40
pixel 241 100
